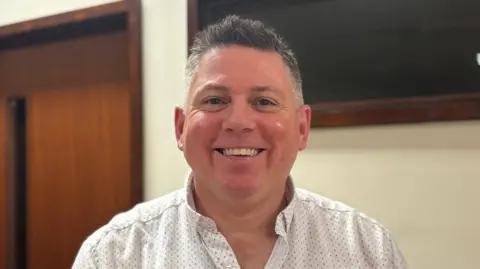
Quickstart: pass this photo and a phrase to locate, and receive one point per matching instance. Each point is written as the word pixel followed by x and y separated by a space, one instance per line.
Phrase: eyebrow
pixel 221 88
pixel 213 87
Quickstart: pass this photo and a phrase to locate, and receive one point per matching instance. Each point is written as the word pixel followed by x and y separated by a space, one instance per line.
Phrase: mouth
pixel 239 152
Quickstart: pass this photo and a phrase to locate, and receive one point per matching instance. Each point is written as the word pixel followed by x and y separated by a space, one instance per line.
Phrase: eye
pixel 264 102
pixel 214 101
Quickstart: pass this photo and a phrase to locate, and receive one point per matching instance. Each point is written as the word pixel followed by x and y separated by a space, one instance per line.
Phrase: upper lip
pixel 239 147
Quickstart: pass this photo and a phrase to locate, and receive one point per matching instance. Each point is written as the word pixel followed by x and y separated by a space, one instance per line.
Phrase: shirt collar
pixel 283 221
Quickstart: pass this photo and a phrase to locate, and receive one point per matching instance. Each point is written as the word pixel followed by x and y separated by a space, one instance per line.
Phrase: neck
pixel 252 215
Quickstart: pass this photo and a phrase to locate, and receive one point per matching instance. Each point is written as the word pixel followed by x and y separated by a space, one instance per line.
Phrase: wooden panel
pixel 3 184
pixel 78 168
pixel 72 63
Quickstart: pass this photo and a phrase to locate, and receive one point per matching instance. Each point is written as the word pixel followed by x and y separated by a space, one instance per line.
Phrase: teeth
pixel 240 152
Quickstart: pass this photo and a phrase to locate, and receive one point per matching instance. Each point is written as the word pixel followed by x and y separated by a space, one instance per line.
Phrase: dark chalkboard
pixel 351 50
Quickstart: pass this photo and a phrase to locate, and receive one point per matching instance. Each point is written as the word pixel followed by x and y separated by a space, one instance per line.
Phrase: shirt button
pixel 227 265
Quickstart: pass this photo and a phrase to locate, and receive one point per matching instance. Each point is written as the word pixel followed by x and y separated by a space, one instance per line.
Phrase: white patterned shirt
pixel 167 233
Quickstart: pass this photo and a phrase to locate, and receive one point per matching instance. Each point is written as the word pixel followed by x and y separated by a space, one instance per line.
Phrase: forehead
pixel 239 68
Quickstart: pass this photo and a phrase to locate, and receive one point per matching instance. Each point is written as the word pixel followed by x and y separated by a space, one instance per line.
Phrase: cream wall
pixel 422 181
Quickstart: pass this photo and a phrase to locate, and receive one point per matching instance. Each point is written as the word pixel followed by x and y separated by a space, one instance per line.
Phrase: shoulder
pixel 338 212
pixel 139 224
pixel 347 228
pixel 146 212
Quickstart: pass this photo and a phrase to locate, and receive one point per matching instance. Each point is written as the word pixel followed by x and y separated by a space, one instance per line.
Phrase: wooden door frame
pixel 9 228
pixel 132 9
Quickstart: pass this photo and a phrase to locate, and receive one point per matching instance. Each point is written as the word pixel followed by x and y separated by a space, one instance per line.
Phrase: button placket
pixel 218 248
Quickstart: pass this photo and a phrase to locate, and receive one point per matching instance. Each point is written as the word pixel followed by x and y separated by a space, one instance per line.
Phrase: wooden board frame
pixel 373 112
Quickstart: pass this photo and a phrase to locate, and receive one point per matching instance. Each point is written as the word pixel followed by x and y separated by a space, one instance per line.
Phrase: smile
pixel 239 152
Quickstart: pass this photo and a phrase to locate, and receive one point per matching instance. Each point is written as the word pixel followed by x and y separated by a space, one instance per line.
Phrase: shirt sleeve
pixel 398 260
pixel 84 259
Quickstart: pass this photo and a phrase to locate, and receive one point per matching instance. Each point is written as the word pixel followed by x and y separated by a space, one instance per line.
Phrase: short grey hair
pixel 234 30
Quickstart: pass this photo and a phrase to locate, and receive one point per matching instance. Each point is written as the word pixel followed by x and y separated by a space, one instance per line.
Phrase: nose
pixel 239 118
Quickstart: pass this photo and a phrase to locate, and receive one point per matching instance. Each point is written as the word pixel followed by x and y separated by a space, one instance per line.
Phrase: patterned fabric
pixel 167 233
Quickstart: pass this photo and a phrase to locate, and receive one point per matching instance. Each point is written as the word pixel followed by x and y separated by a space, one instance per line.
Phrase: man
pixel 240 130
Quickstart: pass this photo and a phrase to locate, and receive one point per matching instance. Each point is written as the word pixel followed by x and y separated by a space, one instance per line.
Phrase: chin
pixel 240 183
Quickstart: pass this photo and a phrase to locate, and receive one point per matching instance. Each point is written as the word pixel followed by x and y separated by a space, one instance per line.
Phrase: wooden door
pixel 77 76
pixel 78 170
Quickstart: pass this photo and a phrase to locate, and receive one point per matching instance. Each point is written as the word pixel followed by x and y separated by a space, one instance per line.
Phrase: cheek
pixel 200 131
pixel 282 136
pixel 278 130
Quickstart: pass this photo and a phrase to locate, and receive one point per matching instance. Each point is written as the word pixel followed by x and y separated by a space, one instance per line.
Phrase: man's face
pixel 242 129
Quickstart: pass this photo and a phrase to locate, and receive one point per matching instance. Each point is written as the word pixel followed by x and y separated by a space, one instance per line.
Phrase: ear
pixel 179 125
pixel 304 116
